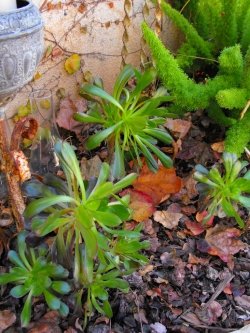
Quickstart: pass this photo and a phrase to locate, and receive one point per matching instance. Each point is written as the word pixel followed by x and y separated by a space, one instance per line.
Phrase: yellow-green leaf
pixel 73 64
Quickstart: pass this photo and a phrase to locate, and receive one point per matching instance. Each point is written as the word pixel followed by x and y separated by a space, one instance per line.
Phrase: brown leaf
pixel 195 228
pixel 222 242
pixel 219 147
pixel 210 314
pixel 7 318
pixel 47 324
pixel 146 269
pixel 158 185
pixel 141 204
pixel 192 319
pixel 178 125
pixel 91 168
pixel 192 259
pixel 168 219
pixel 66 111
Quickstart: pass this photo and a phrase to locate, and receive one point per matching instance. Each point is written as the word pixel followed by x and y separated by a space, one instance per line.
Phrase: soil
pixel 182 289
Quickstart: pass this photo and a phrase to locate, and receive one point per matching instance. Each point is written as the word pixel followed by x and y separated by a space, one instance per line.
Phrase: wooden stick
pixel 15 196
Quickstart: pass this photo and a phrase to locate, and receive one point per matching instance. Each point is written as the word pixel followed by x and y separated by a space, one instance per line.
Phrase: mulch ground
pixel 183 289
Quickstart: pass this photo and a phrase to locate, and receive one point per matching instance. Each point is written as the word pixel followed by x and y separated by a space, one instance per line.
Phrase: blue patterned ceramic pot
pixel 21 46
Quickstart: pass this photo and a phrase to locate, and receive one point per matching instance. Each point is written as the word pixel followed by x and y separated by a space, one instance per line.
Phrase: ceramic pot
pixel 21 46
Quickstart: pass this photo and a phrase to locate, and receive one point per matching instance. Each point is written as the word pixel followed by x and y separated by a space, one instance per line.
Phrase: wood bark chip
pixel 14 164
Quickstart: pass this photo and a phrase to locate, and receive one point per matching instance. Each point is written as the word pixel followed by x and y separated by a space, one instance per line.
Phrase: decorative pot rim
pixel 20 21
pixel 18 10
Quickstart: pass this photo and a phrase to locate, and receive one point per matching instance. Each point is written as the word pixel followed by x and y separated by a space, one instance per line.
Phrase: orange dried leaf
pixel 193 260
pixel 158 185
pixel 141 204
pixel 218 147
pixel 73 64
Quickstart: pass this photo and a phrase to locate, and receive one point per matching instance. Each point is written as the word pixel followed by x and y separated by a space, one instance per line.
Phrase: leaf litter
pixel 185 286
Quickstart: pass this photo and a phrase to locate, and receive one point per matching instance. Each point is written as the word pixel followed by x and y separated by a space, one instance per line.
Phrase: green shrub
pixel 215 39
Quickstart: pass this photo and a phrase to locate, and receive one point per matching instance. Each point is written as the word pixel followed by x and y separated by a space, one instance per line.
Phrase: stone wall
pixel 104 33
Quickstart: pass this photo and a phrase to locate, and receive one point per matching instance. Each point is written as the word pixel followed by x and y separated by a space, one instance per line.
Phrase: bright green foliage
pixel 224 190
pixel 34 276
pixel 212 30
pixel 89 224
pixel 129 119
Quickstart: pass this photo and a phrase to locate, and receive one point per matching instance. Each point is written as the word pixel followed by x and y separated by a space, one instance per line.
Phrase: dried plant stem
pixel 15 196
pixel 245 110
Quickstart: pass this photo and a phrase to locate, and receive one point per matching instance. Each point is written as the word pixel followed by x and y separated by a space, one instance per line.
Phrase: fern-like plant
pixel 217 37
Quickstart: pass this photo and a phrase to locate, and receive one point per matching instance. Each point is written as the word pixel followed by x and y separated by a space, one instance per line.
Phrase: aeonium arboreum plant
pixel 131 122
pixel 225 190
pixel 34 276
pixel 88 219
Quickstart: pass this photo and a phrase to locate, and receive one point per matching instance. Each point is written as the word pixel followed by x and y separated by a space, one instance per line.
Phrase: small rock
pixel 102 328
pixel 212 273
pixel 130 321
pixel 158 328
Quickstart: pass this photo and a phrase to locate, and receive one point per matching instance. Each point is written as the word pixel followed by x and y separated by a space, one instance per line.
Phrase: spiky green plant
pixel 224 190
pixel 35 276
pixel 131 122
pixel 88 218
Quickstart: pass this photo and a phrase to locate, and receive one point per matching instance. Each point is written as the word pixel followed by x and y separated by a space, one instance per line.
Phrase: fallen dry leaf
pixel 200 217
pixel 195 228
pixel 209 314
pixel 47 324
pixel 66 111
pixel 178 125
pixel 158 185
pixel 228 289
pixel 72 64
pixel 146 269
pixel 192 259
pixel 222 241
pixel 168 219
pixel 91 168
pixel 7 318
pixel 218 147
pixel 141 204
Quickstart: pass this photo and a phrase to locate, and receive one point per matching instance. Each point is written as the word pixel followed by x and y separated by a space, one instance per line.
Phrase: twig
pixel 187 2
pixel 138 309
pixel 245 110
pixel 219 289
pixel 213 329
